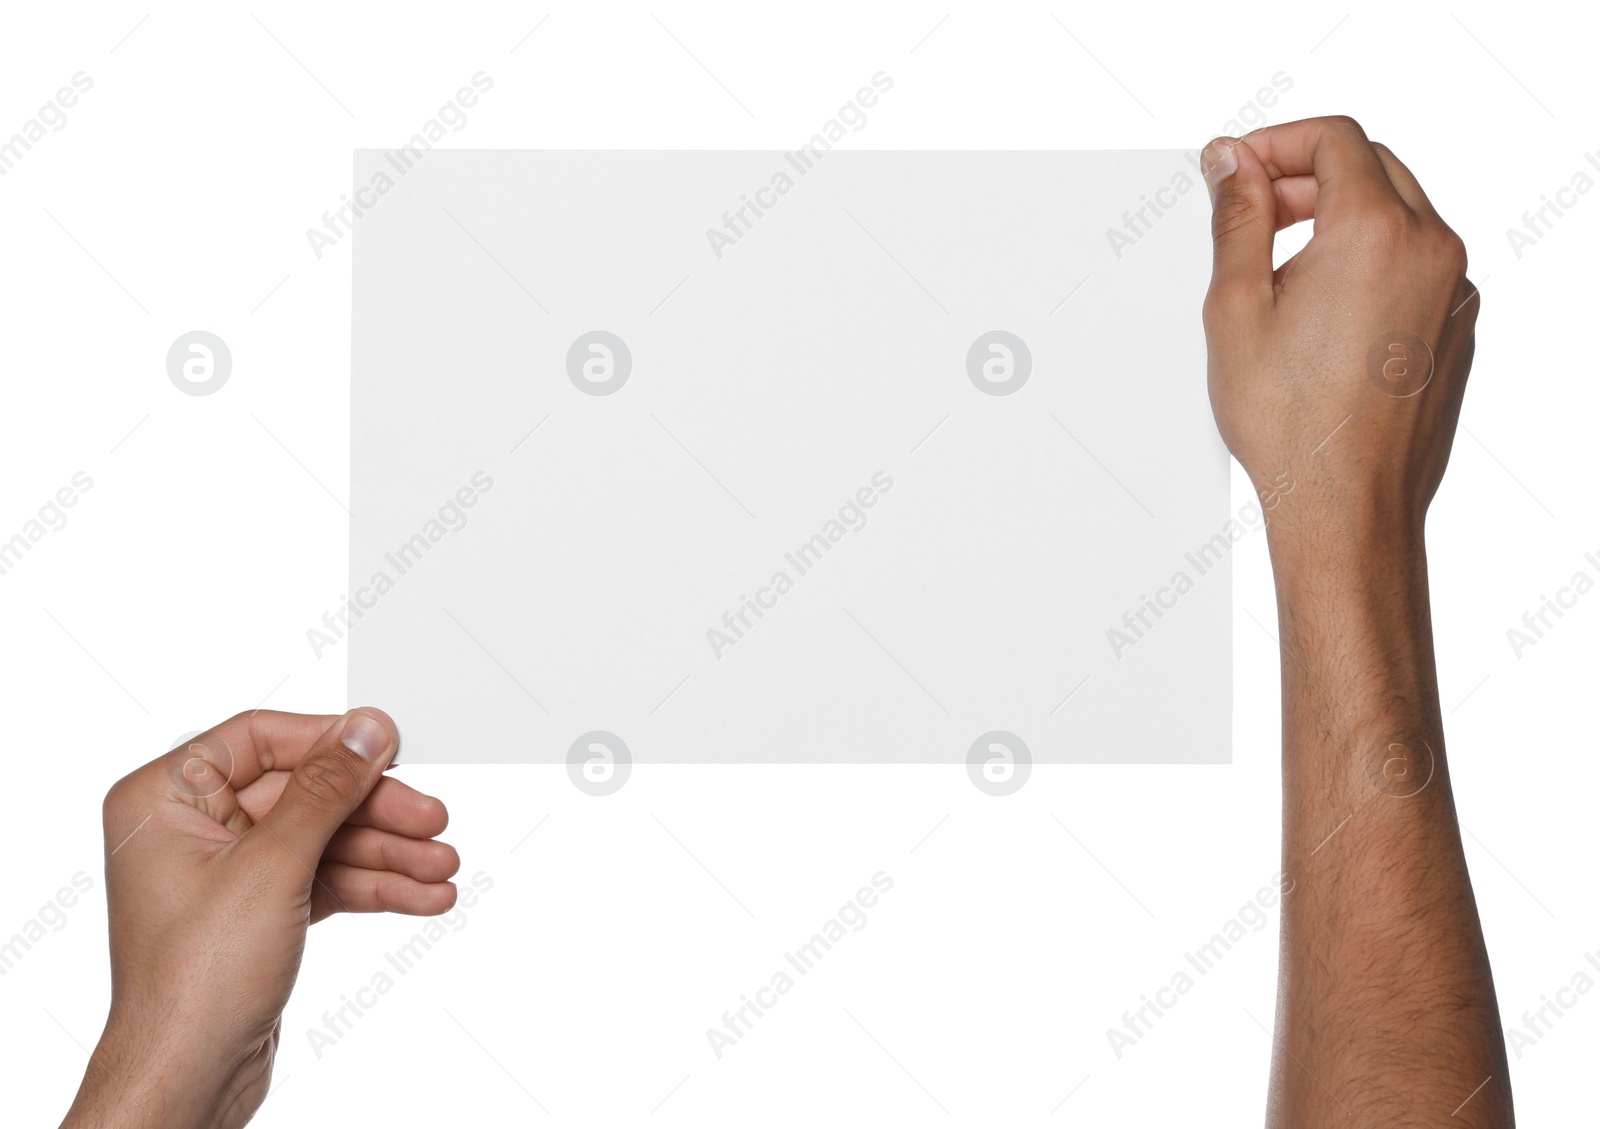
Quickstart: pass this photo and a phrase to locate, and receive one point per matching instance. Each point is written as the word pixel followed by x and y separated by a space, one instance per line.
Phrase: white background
pixel 1018 929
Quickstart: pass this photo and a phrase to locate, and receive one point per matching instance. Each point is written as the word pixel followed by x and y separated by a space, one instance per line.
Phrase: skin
pixel 1386 1007
pixel 220 855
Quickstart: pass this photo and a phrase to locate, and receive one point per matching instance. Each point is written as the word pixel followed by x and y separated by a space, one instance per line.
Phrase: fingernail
pixel 364 736
pixel 1218 161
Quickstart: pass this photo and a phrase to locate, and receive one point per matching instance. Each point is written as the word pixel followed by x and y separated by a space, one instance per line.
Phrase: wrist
pixel 138 1077
pixel 1354 558
pixel 1354 617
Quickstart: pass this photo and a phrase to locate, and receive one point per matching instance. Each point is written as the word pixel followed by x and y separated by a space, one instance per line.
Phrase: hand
pixel 220 855
pixel 1341 373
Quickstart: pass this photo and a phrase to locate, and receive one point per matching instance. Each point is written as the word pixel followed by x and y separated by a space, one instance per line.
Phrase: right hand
pixel 1309 365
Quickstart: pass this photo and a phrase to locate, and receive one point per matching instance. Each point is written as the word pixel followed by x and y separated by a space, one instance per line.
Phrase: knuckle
pixel 1345 125
pixel 1233 215
pixel 1218 302
pixel 118 798
pixel 1450 249
pixel 1225 303
pixel 329 778
pixel 239 726
pixel 1387 228
pixel 1470 303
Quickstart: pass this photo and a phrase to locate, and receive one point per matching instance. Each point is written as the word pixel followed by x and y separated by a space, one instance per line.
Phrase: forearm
pixel 1386 1003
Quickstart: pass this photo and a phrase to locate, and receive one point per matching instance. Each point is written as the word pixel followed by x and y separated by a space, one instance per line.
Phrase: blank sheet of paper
pixel 787 457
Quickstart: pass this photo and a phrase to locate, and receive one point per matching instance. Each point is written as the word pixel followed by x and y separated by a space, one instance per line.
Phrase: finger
pixel 1404 182
pixel 328 784
pixel 1296 197
pixel 239 750
pixel 1243 222
pixel 392 805
pixel 351 889
pixel 396 806
pixel 426 860
pixel 1336 152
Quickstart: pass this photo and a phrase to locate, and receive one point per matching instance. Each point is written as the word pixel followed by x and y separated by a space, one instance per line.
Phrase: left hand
pixel 220 855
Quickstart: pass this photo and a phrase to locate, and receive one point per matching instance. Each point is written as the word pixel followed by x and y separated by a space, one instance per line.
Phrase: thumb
pixel 1243 220
pixel 330 782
